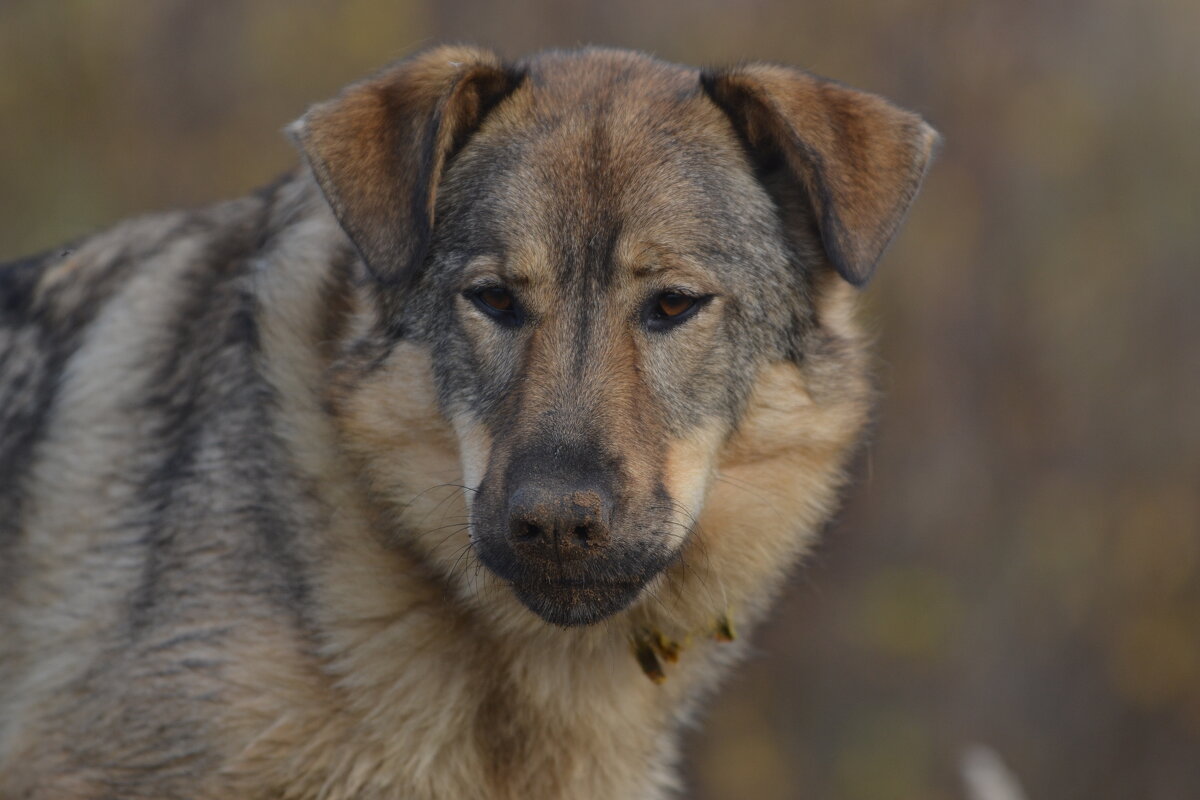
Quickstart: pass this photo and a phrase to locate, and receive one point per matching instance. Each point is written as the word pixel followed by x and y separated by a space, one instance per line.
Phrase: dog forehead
pixel 604 117
pixel 599 155
pixel 602 114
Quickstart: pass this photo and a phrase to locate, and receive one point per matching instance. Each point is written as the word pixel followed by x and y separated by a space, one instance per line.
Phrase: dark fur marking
pixel 207 385
pixel 17 282
pixel 37 339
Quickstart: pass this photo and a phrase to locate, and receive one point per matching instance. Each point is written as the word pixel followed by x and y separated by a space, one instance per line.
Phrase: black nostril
pixel 555 523
pixel 526 530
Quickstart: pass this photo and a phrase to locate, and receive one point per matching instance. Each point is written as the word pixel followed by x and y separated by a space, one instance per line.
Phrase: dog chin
pixel 577 603
pixel 571 594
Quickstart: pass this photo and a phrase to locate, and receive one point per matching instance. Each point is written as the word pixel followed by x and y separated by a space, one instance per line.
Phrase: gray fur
pixel 225 565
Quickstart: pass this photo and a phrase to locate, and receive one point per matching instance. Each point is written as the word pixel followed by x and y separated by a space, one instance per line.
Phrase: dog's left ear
pixel 379 148
pixel 858 158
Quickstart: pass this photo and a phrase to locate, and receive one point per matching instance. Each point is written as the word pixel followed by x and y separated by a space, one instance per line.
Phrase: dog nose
pixel 557 523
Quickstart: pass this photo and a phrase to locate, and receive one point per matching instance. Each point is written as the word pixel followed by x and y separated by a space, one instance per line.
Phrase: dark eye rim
pixel 656 320
pixel 509 317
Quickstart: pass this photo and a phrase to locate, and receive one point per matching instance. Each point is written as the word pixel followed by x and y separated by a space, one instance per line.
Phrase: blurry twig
pixel 987 777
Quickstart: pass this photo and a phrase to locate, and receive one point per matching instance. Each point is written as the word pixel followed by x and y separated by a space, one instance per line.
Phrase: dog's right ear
pixel 378 149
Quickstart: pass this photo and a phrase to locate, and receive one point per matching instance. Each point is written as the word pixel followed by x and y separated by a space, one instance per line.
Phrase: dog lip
pixel 581 583
pixel 572 593
pixel 574 603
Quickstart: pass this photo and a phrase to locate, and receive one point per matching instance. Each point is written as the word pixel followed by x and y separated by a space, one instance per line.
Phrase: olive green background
pixel 1019 562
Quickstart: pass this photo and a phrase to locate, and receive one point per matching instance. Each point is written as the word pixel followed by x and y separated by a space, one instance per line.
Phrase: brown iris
pixel 672 304
pixel 498 303
pixel 496 298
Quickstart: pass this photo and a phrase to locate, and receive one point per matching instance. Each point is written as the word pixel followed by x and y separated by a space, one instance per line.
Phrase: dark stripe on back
pixel 216 501
pixel 38 336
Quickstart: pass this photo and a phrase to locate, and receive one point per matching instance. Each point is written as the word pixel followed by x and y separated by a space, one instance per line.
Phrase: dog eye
pixel 671 304
pixel 497 299
pixel 668 309
pixel 498 303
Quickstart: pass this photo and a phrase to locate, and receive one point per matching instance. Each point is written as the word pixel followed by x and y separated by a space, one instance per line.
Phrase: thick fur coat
pixel 455 464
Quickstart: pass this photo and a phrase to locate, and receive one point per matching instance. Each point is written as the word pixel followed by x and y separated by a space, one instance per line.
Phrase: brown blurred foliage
pixel 1019 563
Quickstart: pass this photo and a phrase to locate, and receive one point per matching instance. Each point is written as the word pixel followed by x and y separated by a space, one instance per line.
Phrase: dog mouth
pixel 571 602
pixel 571 550
pixel 571 595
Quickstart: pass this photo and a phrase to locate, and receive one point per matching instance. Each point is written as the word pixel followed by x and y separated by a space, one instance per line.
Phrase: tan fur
pixel 394 708
pixel 412 670
pixel 412 673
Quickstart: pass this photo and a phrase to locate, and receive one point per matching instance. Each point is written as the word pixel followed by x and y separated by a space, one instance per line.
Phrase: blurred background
pixel 1019 562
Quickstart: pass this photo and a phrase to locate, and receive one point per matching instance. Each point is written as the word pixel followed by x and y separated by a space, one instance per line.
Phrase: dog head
pixel 596 255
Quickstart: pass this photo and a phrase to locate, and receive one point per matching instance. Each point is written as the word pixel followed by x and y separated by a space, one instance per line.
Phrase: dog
pixel 456 463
